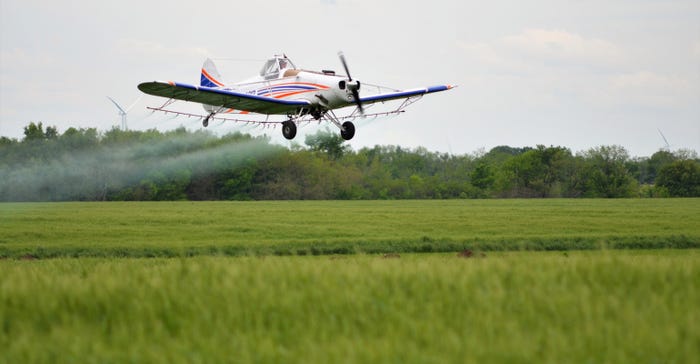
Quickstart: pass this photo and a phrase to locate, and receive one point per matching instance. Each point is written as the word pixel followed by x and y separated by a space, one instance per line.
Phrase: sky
pixel 571 73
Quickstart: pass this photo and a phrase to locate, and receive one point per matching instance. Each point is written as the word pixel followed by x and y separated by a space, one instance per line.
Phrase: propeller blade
pixel 345 65
pixel 356 96
pixel 355 92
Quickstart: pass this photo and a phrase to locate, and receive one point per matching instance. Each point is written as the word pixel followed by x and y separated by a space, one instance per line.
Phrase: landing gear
pixel 289 129
pixel 347 131
pixel 205 122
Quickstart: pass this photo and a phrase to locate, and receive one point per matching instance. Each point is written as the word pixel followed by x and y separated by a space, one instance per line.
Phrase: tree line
pixel 83 164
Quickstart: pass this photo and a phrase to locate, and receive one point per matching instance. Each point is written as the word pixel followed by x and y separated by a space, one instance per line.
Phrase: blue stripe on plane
pixel 205 81
pixel 405 94
pixel 438 88
pixel 243 95
pixel 286 88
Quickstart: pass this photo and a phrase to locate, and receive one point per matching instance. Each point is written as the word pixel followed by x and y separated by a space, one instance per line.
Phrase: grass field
pixel 505 307
pixel 166 229
pixel 623 285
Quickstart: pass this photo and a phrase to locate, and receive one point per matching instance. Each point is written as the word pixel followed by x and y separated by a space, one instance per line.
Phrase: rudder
pixel 210 76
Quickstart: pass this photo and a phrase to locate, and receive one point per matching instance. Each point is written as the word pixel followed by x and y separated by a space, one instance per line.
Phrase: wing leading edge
pixel 404 94
pixel 222 98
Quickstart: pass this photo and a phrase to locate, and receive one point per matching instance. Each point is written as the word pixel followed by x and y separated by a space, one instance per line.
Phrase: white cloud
pixel 544 54
pixel 651 89
pixel 540 48
pixel 490 55
pixel 540 70
pixel 142 48
pixel 562 46
pixel 551 67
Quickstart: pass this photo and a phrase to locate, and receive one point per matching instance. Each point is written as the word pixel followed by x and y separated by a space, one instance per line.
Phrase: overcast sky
pixel 577 74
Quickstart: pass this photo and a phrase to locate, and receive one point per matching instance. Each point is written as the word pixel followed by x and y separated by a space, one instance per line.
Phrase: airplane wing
pixel 223 98
pixel 403 94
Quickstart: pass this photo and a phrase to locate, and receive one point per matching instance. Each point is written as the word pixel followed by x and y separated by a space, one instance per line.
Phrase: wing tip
pixel 440 88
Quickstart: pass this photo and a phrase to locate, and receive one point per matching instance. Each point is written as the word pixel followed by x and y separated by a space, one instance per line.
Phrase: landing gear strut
pixel 347 129
pixel 289 129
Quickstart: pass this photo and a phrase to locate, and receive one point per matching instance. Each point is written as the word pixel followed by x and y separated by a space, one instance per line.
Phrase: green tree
pixel 606 174
pixel 5 141
pixel 482 176
pixel 74 139
pixel 238 183
pixel 51 133
pixel 647 169
pixel 681 178
pixel 535 173
pixel 327 142
pixel 34 132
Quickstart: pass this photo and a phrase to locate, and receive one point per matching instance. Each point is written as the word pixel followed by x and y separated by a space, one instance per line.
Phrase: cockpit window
pixel 269 68
pixel 273 66
pixel 285 63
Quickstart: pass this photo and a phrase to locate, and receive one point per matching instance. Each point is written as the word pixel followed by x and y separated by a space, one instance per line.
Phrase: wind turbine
pixel 123 112
pixel 667 147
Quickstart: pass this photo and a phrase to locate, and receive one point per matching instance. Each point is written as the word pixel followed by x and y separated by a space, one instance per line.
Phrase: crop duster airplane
pixel 283 89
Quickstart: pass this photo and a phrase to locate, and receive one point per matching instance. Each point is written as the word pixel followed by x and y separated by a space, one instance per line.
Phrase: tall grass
pixel 140 229
pixel 575 307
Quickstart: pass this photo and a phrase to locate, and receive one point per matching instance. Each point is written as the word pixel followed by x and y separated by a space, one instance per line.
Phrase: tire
pixel 348 130
pixel 289 129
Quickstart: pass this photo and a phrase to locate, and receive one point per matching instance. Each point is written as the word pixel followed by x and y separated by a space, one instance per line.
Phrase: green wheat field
pixel 488 281
pixel 170 229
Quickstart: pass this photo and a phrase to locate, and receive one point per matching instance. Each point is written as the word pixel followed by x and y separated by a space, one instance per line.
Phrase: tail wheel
pixel 205 122
pixel 348 130
pixel 289 129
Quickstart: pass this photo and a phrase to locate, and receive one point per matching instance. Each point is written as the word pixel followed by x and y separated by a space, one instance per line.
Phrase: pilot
pixel 283 64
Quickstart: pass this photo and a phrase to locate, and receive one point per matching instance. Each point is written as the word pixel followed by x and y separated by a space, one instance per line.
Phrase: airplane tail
pixel 210 75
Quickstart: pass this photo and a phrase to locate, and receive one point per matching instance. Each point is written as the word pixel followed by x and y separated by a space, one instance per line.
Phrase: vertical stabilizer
pixel 210 75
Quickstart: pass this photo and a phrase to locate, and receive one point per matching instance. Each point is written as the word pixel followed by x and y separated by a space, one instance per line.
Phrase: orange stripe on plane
pixel 211 78
pixel 233 111
pixel 280 96
pixel 301 83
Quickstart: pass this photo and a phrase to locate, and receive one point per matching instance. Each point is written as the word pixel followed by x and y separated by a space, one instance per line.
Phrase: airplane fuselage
pixel 323 91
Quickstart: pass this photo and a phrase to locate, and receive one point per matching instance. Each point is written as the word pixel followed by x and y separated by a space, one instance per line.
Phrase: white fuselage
pixel 323 91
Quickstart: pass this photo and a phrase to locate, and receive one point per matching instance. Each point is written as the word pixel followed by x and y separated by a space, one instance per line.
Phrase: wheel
pixel 205 122
pixel 348 130
pixel 289 129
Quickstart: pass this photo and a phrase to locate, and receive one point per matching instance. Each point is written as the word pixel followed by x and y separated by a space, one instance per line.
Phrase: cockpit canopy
pixel 273 66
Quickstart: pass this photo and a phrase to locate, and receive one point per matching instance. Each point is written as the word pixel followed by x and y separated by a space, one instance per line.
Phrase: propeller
pixel 354 89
